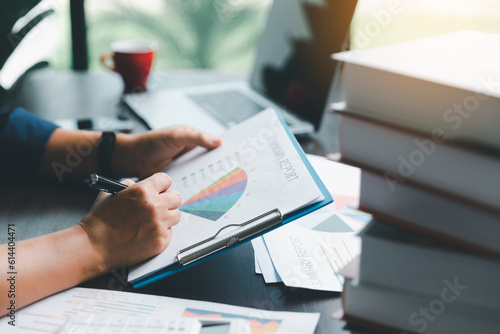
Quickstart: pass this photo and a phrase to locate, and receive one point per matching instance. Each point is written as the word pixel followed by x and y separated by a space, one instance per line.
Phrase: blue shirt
pixel 23 139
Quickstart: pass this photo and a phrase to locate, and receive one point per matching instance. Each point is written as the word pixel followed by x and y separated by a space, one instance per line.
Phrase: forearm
pixel 73 154
pixel 76 153
pixel 49 264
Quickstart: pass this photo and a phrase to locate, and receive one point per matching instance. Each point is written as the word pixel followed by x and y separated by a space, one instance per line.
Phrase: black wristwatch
pixel 106 146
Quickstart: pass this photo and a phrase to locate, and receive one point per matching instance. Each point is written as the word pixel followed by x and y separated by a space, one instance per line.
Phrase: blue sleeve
pixel 23 139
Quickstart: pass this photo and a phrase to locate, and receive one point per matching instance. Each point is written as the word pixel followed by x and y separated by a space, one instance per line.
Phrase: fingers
pixel 173 198
pixel 102 194
pixel 174 217
pixel 192 137
pixel 159 182
pixel 128 182
pixel 100 197
pixel 167 204
pixel 167 219
pixel 186 149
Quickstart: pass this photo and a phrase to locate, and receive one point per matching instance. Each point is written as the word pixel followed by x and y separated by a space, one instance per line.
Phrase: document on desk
pixel 309 252
pixel 49 314
pixel 266 266
pixel 258 168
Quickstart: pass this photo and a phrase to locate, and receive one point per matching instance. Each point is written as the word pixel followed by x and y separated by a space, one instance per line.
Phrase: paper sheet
pixel 266 264
pixel 254 171
pixel 309 257
pixel 257 265
pixel 308 252
pixel 48 315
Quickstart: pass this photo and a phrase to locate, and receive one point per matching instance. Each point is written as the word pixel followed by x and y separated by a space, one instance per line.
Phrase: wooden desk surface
pixel 46 207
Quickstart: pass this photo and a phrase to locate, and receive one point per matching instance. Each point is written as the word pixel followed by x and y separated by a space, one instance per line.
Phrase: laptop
pixel 292 73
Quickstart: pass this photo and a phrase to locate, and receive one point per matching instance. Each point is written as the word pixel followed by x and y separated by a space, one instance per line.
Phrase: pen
pixel 104 184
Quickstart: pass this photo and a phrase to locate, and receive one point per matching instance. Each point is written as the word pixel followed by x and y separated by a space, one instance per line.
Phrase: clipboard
pixel 247 231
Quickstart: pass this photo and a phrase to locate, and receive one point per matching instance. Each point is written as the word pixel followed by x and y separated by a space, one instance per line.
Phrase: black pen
pixel 104 184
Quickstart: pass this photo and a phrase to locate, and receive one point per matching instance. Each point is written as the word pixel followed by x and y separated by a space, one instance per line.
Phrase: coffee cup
pixel 133 61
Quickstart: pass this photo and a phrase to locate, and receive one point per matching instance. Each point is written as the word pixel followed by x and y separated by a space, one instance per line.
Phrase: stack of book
pixel 422 120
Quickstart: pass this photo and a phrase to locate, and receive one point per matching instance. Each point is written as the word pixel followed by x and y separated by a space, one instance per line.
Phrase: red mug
pixel 133 61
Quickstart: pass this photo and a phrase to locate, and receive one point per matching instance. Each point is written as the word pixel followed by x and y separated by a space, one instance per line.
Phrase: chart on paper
pixel 257 325
pixel 220 196
pixel 213 190
pixel 49 315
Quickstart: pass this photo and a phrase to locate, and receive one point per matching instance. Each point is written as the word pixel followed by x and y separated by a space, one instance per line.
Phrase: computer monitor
pixel 293 66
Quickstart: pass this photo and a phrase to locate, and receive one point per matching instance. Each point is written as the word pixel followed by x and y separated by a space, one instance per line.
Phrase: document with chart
pixel 48 315
pixel 257 180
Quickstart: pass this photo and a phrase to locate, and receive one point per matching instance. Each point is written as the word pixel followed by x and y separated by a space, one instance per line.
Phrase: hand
pixel 134 224
pixel 144 154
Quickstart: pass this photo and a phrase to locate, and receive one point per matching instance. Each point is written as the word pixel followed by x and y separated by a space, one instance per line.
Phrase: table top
pixel 47 206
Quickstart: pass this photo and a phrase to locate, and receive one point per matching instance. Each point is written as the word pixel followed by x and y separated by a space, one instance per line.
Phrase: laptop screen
pixel 293 66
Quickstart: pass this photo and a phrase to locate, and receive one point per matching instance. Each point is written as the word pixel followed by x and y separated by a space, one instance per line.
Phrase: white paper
pixel 257 265
pixel 308 252
pixel 258 157
pixel 265 263
pixel 308 258
pixel 48 315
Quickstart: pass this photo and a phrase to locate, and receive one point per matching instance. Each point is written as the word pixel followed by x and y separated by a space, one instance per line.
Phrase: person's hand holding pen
pixel 134 224
pixel 120 230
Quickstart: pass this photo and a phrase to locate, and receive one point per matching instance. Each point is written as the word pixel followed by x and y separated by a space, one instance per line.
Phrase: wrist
pixel 95 263
pixel 71 154
pixel 124 165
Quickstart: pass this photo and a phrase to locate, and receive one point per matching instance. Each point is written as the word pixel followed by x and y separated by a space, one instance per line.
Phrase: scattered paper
pixel 258 270
pixel 309 252
pixel 266 264
pixel 49 315
pixel 309 256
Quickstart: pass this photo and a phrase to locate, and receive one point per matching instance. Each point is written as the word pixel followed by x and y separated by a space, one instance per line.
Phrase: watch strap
pixel 106 146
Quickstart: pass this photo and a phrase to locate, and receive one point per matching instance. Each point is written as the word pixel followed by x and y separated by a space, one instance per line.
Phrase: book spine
pixel 407 157
pixel 425 211
pixel 430 268
pixel 386 309
pixel 422 105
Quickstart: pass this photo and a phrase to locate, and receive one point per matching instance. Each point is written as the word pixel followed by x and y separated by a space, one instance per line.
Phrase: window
pixel 220 34
pixel 379 22
pixel 223 34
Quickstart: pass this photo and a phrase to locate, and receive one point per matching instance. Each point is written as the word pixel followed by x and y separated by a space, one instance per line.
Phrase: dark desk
pixel 46 207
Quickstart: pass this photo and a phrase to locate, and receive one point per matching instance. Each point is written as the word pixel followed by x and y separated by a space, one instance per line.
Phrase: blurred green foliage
pixel 221 34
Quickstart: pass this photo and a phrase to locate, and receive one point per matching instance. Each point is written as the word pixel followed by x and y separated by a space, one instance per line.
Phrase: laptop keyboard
pixel 229 107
